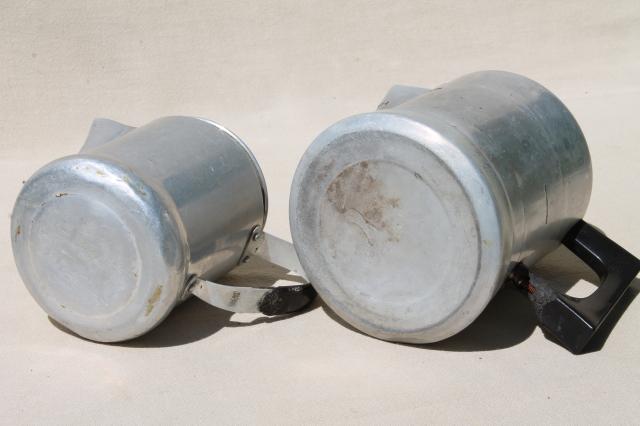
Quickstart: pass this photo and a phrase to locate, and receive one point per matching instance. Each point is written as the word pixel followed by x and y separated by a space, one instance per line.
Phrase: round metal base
pixel 387 232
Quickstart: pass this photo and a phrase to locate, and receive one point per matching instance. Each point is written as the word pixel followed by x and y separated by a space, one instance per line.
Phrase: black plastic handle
pixel 286 299
pixel 574 321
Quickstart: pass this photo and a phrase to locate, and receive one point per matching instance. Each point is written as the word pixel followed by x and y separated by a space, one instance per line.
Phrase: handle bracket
pixel 268 301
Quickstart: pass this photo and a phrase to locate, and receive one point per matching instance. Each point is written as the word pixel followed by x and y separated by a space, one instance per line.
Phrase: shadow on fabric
pixel 509 320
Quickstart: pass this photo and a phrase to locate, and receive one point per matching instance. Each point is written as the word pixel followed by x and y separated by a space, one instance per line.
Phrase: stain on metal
pixel 235 296
pixel 358 195
pixel 325 170
pixel 136 187
pixel 153 299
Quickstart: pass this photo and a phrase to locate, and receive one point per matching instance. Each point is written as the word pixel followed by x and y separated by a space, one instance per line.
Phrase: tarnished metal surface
pixel 106 240
pixel 408 219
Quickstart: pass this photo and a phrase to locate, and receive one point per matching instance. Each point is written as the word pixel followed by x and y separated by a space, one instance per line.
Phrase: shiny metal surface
pixel 106 240
pixel 407 220
pixel 211 177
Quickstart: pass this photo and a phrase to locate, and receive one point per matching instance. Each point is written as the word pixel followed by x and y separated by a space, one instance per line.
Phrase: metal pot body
pixel 407 220
pixel 107 240
pixel 528 145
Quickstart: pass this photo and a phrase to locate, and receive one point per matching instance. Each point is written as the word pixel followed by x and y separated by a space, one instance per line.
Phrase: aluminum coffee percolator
pixel 108 241
pixel 409 219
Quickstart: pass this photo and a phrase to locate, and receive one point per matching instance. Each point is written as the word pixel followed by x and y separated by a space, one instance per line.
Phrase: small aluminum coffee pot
pixel 409 219
pixel 108 241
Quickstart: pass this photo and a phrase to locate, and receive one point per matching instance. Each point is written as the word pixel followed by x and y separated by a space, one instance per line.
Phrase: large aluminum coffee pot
pixel 108 241
pixel 409 219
